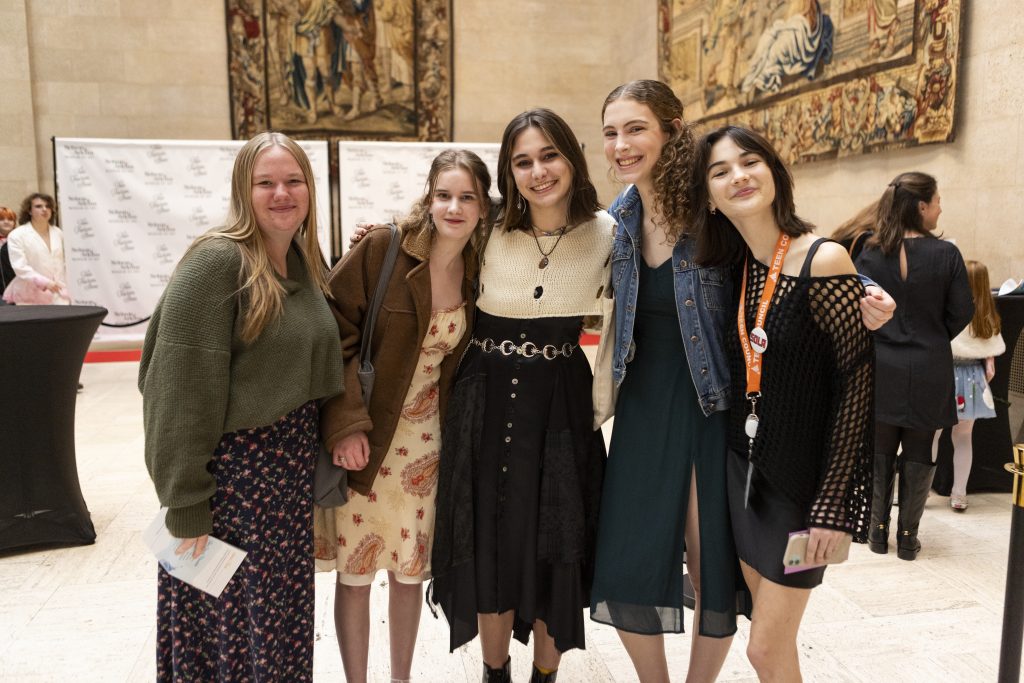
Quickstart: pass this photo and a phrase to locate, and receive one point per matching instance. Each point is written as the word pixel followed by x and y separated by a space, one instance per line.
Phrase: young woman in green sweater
pixel 241 346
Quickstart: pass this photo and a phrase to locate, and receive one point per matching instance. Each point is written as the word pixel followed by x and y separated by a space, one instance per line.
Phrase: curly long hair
pixel 672 170
pixel 583 203
pixel 419 215
pixel 260 289
pixel 25 214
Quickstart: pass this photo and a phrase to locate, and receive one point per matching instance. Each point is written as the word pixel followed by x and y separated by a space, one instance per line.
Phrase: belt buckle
pixel 528 350
pixel 507 348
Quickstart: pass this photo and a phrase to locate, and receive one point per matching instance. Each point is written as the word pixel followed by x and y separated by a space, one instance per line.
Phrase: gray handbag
pixel 330 487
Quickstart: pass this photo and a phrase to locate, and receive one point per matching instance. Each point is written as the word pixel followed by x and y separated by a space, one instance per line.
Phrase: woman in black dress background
pixel 914 391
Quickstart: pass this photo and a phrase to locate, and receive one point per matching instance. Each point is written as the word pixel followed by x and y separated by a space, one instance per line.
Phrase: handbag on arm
pixel 329 480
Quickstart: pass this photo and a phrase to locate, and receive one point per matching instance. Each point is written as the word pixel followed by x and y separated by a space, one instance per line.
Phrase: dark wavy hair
pixel 672 170
pixel 898 209
pixel 25 214
pixel 583 202
pixel 718 241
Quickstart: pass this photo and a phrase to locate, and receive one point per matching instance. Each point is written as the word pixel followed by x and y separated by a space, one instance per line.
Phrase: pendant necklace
pixel 544 255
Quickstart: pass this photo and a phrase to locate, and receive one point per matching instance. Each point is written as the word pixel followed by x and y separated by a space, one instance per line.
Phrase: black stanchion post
pixel 1013 603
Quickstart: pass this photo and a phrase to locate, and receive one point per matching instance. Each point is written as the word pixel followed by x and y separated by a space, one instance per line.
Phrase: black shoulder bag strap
pixel 366 370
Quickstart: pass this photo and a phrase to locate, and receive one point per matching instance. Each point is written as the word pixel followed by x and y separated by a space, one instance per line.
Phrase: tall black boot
pixel 538 677
pixel 881 502
pixel 502 675
pixel 915 482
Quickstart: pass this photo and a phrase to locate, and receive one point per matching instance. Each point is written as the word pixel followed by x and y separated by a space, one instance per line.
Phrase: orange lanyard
pixel 754 345
pixel 756 342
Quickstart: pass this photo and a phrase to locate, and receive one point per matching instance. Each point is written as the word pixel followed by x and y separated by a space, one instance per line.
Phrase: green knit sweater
pixel 199 381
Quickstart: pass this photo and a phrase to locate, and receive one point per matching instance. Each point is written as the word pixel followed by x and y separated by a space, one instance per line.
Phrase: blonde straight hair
pixel 260 292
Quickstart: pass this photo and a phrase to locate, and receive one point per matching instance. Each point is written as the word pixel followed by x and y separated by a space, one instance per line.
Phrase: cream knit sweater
pixel 513 286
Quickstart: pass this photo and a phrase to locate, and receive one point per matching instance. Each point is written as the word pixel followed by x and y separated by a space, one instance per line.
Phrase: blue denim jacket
pixel 703 300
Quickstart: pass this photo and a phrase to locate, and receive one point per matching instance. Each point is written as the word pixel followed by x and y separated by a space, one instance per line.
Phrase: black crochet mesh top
pixel 815 438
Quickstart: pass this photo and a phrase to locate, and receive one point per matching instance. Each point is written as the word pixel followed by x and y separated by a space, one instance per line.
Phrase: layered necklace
pixel 544 260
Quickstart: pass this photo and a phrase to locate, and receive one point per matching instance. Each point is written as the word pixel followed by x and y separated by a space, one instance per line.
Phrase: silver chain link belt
pixel 526 349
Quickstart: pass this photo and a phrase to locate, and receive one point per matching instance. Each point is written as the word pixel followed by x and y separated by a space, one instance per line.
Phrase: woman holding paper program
pixel 801 366
pixel 239 349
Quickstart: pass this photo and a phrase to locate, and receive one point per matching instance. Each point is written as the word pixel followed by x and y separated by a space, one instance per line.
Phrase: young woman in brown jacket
pixel 391 446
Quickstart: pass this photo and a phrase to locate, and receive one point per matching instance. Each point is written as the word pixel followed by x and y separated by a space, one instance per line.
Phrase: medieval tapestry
pixel 367 69
pixel 820 78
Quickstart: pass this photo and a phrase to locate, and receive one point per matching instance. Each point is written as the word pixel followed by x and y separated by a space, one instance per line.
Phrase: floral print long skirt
pixel 261 626
pixel 392 528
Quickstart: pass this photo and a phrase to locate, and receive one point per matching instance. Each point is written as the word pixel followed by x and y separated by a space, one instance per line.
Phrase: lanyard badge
pixel 755 344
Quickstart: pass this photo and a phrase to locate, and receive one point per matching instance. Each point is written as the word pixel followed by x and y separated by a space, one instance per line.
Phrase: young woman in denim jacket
pixel 668 447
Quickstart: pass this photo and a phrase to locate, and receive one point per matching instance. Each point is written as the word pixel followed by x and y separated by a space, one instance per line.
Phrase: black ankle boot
pixel 502 675
pixel 915 482
pixel 881 502
pixel 538 677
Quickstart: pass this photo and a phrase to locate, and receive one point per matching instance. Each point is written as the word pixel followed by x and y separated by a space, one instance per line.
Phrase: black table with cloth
pixel 992 438
pixel 41 353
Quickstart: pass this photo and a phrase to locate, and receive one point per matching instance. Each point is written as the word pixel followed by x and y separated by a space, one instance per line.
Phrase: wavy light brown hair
pixel 25 213
pixel 583 202
pixel 419 216
pixel 718 241
pixel 672 170
pixel 259 289
pixel 861 222
pixel 899 212
pixel 986 322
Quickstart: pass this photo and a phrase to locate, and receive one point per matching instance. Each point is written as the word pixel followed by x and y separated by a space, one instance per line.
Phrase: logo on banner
pixel 84 229
pixel 159 281
pixel 159 229
pixel 124 241
pixel 87 282
pixel 157 154
pixel 81 178
pixel 196 166
pixel 198 218
pixel 163 255
pixel 126 293
pixel 121 191
pixel 155 178
pixel 197 192
pixel 159 205
pixel 81 203
pixel 79 152
pixel 118 166
pixel 121 216
pixel 84 254
pixel 120 267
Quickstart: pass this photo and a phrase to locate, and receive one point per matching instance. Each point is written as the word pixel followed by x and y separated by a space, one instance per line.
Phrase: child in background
pixel 974 352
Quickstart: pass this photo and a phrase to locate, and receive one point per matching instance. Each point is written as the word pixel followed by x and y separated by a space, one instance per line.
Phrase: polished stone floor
pixel 87 613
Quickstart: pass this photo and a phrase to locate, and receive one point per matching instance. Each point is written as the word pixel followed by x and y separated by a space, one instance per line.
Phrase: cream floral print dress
pixel 392 527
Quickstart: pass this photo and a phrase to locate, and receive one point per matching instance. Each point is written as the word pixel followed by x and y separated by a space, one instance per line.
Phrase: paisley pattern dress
pixel 393 526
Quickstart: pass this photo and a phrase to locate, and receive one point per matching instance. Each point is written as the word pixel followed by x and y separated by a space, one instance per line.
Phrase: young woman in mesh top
pixel 802 368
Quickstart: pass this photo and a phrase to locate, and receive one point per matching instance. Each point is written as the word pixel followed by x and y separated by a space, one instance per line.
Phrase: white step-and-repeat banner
pixel 130 208
pixel 379 181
